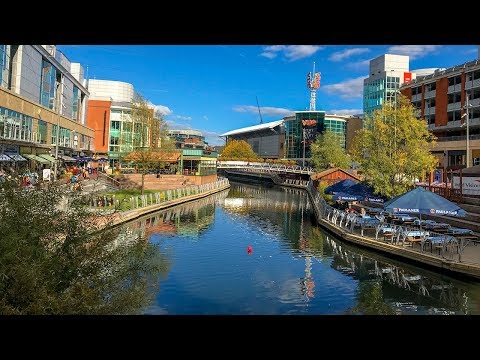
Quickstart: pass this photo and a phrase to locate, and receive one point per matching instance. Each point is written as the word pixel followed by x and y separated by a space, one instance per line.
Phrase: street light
pixel 467 124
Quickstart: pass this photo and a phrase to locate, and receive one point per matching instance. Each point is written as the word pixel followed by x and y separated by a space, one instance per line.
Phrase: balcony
pixel 472 84
pixel 430 94
pixel 429 111
pixel 454 106
pixel 454 88
pixel 474 102
pixel 458 138
pixel 416 97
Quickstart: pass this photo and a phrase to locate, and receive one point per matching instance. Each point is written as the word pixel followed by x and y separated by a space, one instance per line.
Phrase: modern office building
pixel 109 114
pixel 441 99
pixel 387 73
pixel 41 89
pixel 188 139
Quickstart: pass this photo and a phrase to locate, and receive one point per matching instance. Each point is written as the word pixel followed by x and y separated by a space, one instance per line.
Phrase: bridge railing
pixel 264 167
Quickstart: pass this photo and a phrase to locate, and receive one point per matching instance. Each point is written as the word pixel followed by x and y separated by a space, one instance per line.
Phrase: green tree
pixel 238 149
pixel 328 152
pixel 152 148
pixel 58 258
pixel 393 148
pixel 147 160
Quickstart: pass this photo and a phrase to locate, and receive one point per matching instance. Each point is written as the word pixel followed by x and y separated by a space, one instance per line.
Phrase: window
pixel 76 102
pixel 47 86
pixel 115 125
pixel 41 132
pixel 114 140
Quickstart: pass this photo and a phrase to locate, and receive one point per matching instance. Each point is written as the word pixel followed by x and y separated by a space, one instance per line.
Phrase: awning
pixel 37 159
pixel 4 157
pixel 67 158
pixel 47 157
pixel 17 157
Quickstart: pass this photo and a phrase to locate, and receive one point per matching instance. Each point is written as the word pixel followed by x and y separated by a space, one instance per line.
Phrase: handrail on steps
pixel 114 181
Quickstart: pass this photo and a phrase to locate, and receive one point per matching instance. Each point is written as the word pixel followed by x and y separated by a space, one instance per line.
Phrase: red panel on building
pixel 99 120
pixel 407 77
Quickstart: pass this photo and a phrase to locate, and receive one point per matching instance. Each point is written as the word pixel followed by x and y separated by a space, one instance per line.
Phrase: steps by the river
pixel 151 182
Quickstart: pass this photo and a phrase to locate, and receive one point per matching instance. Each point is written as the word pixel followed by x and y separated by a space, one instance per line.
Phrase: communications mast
pixel 313 83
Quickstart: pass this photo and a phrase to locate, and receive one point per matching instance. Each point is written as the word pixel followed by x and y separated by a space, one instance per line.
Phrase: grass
pixel 124 195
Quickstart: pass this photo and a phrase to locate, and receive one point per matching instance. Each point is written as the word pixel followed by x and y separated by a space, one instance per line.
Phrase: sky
pixel 215 88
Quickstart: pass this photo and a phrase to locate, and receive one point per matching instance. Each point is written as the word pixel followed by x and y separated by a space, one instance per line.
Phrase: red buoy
pixel 249 249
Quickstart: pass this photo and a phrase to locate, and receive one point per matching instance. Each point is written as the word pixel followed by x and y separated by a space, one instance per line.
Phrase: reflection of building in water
pixel 307 284
pixel 276 209
pixel 437 293
pixel 188 219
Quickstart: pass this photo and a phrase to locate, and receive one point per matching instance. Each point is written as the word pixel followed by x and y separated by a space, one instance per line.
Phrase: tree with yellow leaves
pixel 393 148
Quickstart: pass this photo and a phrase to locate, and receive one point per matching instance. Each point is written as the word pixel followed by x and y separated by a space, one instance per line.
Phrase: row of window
pixel 18 126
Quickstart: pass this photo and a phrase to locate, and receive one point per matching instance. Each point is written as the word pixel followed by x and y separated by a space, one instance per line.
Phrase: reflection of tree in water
pixel 187 219
pixel 370 300
pixel 393 281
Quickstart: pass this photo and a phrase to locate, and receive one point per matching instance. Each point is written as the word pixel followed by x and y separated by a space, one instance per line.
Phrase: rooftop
pixel 269 125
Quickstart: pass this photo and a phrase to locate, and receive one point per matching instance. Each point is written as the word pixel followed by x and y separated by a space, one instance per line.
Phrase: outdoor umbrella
pixel 339 186
pixel 420 201
pixel 359 192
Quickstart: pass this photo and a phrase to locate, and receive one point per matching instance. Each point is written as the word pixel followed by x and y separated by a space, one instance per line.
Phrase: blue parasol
pixel 340 186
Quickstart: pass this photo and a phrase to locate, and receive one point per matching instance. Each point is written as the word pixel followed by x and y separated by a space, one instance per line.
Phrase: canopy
pixel 47 157
pixel 359 192
pixel 67 158
pixel 339 186
pixel 17 157
pixel 37 159
pixel 4 157
pixel 421 201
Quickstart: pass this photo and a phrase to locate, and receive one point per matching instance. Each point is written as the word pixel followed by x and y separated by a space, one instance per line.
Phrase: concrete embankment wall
pixel 136 213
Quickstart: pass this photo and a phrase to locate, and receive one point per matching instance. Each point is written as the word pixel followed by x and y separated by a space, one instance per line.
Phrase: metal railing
pixel 139 201
pixel 265 167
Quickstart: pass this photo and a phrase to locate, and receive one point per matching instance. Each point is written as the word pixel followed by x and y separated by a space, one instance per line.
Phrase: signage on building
pixel 11 149
pixel 309 130
pixel 407 77
pixel 470 185
pixel 438 175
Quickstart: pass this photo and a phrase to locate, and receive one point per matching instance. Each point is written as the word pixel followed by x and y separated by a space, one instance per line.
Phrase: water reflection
pixel 295 267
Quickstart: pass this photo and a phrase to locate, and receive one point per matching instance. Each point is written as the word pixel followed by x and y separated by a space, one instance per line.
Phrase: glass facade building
pixel 294 133
pixel 338 126
pixel 387 73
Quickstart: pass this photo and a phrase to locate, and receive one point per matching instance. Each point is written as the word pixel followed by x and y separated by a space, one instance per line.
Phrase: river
pixel 294 266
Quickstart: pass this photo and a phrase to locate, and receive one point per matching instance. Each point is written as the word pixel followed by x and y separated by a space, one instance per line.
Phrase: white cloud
pixel 162 110
pixel 358 65
pixel 291 52
pixel 268 54
pixel 180 117
pixel 348 89
pixel 471 51
pixel 414 51
pixel 345 54
pixel 345 112
pixel 265 110
pixel 205 117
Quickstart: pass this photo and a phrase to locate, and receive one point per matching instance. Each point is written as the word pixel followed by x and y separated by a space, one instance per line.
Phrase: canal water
pixel 294 266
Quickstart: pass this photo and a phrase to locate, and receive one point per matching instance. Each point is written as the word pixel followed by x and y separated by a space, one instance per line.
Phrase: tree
pixel 238 149
pixel 328 152
pixel 149 159
pixel 58 258
pixel 393 148
pixel 152 148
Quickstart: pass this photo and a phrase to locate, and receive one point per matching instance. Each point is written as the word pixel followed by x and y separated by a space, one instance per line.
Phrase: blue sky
pixel 213 88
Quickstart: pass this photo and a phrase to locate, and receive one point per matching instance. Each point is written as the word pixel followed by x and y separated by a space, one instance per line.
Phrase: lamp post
pixel 55 165
pixel 303 131
pixel 467 124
